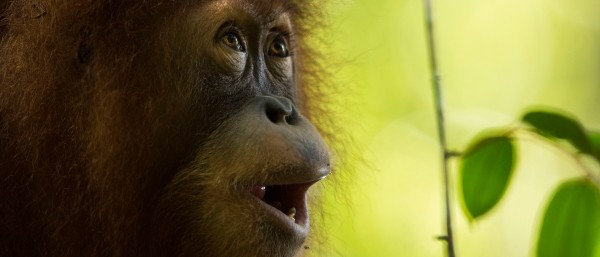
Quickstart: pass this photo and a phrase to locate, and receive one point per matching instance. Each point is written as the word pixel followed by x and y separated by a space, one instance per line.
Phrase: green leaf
pixel 594 139
pixel 571 223
pixel 553 125
pixel 485 173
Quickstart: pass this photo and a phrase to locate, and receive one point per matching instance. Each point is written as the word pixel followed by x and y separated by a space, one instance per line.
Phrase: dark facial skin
pixel 178 132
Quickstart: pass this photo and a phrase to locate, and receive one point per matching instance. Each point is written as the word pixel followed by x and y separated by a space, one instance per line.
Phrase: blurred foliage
pixel 571 224
pixel 497 57
pixel 485 174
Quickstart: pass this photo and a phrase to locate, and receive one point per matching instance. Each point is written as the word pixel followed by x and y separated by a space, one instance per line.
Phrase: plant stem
pixel 576 157
pixel 439 109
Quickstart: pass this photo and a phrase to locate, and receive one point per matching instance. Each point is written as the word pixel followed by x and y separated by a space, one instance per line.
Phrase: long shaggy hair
pixel 80 127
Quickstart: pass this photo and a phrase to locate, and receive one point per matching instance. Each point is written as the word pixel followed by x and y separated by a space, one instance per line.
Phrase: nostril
pixel 276 116
pixel 280 110
pixel 280 115
pixel 292 117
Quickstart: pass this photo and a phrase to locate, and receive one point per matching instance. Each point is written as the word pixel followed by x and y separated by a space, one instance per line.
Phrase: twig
pixel 575 156
pixel 439 108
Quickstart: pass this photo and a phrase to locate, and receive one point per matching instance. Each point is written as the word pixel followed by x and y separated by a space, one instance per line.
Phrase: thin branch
pixel 439 109
pixel 574 156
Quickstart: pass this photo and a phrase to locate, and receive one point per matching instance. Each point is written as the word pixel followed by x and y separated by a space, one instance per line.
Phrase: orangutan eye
pixel 233 41
pixel 279 47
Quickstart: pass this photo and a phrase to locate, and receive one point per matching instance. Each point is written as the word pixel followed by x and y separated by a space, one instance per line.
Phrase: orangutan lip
pixel 288 199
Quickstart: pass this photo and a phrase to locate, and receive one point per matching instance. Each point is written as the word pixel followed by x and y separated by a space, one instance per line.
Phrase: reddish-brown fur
pixel 89 106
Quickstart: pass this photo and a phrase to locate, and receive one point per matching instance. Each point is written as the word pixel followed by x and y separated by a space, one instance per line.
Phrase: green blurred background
pixel 497 59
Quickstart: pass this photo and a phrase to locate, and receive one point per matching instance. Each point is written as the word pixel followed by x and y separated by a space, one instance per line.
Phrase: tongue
pixel 259 191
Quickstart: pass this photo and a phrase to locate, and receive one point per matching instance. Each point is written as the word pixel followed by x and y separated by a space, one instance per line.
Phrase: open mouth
pixel 287 201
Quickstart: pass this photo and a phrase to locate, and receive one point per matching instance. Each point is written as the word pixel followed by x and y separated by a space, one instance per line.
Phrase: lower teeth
pixel 292 213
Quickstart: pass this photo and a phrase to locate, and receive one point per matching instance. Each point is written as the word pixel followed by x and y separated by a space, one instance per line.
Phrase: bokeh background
pixel 497 58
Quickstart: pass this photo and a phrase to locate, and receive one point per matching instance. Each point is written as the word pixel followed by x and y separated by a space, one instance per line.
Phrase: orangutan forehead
pixel 271 10
pixel 266 10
